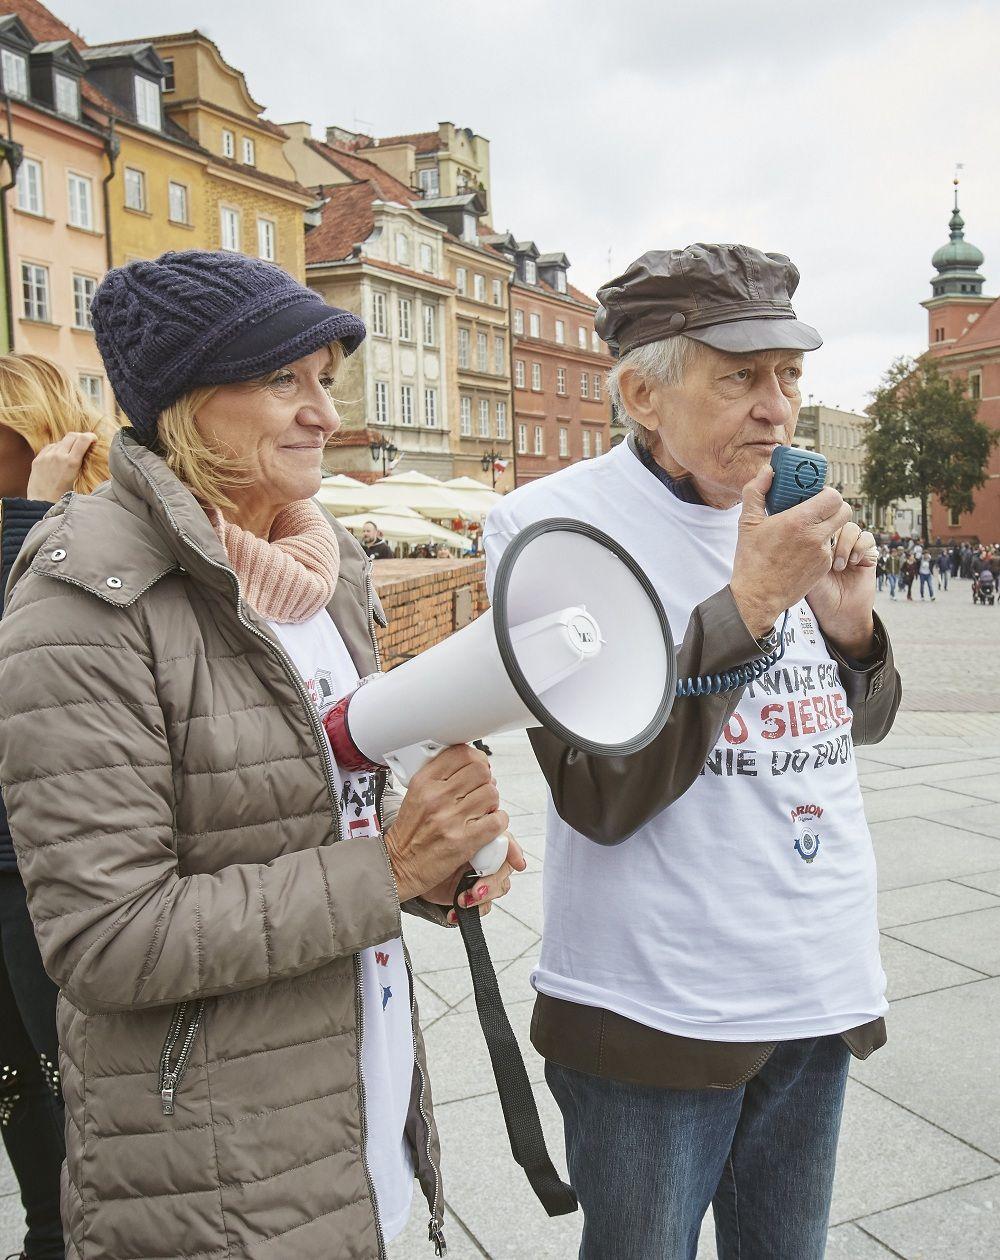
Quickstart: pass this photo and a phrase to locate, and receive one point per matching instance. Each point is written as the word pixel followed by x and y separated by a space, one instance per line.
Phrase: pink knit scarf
pixel 291 575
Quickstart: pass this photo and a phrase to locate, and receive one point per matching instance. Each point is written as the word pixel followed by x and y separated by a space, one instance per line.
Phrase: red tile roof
pixel 581 296
pixel 984 332
pixel 42 24
pixel 422 141
pixel 359 168
pixel 347 220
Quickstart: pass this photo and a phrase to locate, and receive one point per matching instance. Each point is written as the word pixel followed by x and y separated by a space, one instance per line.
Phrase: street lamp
pixel 383 447
pixel 489 463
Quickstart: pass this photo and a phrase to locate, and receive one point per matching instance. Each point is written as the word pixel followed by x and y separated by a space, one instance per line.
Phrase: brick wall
pixel 419 601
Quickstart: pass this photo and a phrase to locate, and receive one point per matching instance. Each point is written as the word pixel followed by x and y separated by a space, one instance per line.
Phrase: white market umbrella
pixel 474 494
pixel 423 494
pixel 343 495
pixel 404 525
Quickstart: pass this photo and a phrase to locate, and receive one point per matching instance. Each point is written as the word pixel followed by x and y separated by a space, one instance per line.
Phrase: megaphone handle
pixel 404 764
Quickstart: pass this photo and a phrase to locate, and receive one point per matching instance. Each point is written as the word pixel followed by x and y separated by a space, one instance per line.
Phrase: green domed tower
pixel 958 262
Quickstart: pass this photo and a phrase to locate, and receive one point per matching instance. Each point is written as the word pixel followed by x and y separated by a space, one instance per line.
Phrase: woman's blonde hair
pixel 40 401
pixel 209 470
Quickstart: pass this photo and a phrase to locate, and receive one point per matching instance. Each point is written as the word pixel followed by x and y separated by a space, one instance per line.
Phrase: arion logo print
pixel 807 837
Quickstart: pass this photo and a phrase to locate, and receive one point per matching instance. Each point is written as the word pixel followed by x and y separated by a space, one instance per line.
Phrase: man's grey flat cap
pixel 731 297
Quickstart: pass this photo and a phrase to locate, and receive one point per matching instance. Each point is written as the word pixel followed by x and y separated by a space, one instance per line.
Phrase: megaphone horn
pixel 572 613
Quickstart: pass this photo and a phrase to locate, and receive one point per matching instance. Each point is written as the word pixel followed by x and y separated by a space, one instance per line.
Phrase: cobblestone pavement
pixel 919 1169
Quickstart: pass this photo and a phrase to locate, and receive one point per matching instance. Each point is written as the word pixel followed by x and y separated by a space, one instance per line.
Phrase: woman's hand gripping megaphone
pixel 450 811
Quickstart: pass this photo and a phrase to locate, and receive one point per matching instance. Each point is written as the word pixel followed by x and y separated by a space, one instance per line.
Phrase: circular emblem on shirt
pixel 807 844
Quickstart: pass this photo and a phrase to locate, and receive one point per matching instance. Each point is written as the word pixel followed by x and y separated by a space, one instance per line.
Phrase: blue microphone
pixel 798 475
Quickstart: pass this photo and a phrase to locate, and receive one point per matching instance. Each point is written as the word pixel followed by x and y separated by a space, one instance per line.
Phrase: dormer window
pixel 469 232
pixel 67 95
pixel 560 282
pixel 530 271
pixel 430 183
pixel 15 73
pixel 147 102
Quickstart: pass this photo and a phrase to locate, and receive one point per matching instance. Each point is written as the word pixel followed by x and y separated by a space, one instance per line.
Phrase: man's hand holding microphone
pixel 813 550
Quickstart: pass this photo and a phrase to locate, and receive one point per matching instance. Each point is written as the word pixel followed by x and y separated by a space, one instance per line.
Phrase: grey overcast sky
pixel 828 131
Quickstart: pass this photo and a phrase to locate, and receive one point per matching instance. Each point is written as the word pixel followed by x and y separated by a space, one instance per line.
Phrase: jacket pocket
pixel 181 1036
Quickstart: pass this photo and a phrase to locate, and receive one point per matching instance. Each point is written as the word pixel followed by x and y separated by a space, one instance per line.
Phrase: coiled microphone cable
pixel 730 679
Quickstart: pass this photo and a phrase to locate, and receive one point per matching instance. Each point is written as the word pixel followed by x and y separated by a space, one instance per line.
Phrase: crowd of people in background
pixel 905 564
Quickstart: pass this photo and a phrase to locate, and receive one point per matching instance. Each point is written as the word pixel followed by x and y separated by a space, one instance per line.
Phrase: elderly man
pixel 710 954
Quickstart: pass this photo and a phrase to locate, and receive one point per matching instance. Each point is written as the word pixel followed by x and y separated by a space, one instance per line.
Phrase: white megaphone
pixel 576 641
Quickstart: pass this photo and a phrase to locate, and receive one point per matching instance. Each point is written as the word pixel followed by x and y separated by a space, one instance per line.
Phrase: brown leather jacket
pixel 167 782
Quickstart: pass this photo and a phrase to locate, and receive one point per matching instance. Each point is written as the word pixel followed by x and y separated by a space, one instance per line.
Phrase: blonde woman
pixel 52 440
pixel 244 1070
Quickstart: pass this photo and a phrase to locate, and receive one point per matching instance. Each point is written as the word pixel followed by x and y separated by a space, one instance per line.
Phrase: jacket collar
pixel 166 530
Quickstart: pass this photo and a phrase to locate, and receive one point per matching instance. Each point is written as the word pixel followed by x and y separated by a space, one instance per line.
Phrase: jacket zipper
pixel 170 1075
pixel 324 746
pixel 435 1231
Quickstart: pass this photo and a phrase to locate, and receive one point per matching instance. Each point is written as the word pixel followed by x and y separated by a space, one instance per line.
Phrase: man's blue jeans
pixel 926 580
pixel 647 1162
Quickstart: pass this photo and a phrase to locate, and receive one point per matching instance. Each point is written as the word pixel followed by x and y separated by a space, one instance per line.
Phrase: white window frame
pixel 267 240
pixel 136 184
pixel 522 439
pixel 430 324
pixel 581 338
pixel 597 387
pixel 426 258
pixel 482 352
pixel 502 420
pixel 584 384
pixel 530 271
pixel 429 181
pixel 563 442
pixel 560 280
pixel 595 341
pixel 380 314
pixel 539 440
pixel 80 190
pixel 519 321
pixel 230 228
pixel 177 199
pixel 464 348
pixel 31 187
pixel 465 416
pixel 84 288
pixel 560 380
pixel 15 73
pixel 35 292
pixel 519 376
pixel 228 143
pixel 586 444
pixel 381 402
pixel 536 377
pixel 598 443
pixel 147 96
pixel 484 417
pixel 534 324
pixel 404 317
pixel 461 280
pixel 499 356
pixel 169 82
pixel 430 406
pixel 92 387
pixel 67 86
pixel 479 286
pixel 497 292
pixel 402 248
pixel 406 405
pixel 249 150
pixel 560 332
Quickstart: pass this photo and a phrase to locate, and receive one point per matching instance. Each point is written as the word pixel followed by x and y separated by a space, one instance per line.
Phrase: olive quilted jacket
pixel 167 783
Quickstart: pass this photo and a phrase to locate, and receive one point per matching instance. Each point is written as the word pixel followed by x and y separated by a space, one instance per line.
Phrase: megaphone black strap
pixel 524 1129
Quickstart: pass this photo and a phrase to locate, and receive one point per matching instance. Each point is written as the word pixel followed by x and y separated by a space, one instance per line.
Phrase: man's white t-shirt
pixel 745 911
pixel 321 657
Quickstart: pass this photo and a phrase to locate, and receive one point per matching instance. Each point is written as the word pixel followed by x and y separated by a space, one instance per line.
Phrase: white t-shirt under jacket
pixel 745 911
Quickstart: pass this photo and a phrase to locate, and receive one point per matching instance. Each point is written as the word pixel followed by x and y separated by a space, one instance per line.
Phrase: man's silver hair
pixel 664 362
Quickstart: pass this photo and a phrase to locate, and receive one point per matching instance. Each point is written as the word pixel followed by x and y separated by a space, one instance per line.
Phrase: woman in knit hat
pixel 220 906
pixel 52 440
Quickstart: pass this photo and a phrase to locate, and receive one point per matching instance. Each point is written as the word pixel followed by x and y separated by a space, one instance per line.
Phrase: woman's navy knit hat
pixel 167 325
